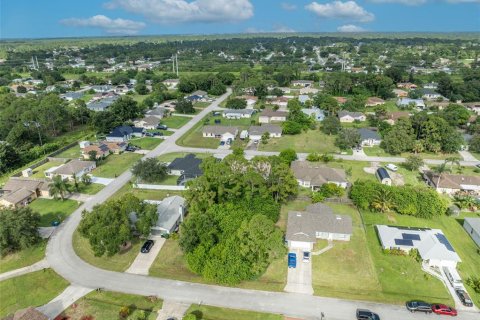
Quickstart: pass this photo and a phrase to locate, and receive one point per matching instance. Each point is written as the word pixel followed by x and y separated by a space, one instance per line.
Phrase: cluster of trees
pixel 230 234
pixel 297 121
pixel 184 106
pixel 214 84
pixel 123 110
pixel 419 202
pixel 236 103
pixel 18 229
pixel 327 190
pixel 109 226
pixel 348 138
pixel 150 170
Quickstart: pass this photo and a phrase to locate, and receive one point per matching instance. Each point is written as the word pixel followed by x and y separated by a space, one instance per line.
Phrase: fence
pixel 158 187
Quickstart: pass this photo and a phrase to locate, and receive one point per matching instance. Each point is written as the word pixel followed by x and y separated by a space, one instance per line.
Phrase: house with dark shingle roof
pixel 124 133
pixel 313 175
pixel 317 222
pixel 187 168
pixel 369 137
pixel 452 183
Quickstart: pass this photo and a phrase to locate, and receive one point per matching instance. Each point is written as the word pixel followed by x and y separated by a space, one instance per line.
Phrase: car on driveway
pixel 391 167
pixel 222 143
pixel 162 127
pixel 444 309
pixel 306 256
pixel 364 314
pixel 147 246
pixel 464 297
pixel 292 260
pixel 419 306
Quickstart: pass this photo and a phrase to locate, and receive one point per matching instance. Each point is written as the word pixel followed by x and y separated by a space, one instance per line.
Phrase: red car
pixel 443 309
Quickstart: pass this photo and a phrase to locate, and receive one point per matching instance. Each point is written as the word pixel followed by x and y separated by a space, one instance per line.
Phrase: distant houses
pixel 302 83
pixel 70 96
pixel 430 94
pixel 223 133
pixel 407 103
pixel 238 113
pixel 256 132
pixel 313 175
pixel 349 117
pixel 124 133
pixel 374 101
pixel 171 83
pixel 269 116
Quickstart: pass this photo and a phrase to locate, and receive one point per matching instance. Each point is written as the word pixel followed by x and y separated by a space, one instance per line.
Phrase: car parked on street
pixel 419 306
pixel 292 260
pixel 364 314
pixel 147 246
pixel 464 297
pixel 444 309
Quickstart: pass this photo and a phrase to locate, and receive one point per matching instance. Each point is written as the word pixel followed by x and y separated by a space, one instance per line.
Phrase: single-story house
pixel 148 123
pixel 374 101
pixel 407 85
pixel 431 85
pixel 19 192
pixel 171 83
pixel 472 226
pixel 269 115
pixel 256 132
pixel 238 113
pixel 317 222
pixel 29 313
pixel 399 93
pixel 220 132
pixel 187 168
pixel 171 212
pixel 369 137
pixel 392 117
pixel 101 150
pixel 72 168
pixel 406 102
pixel 281 102
pixel 315 113
pixel 347 116
pixel 313 175
pixel 452 183
pixel 198 95
pixel 383 176
pixel 116 147
pixel 69 96
pixel 122 89
pixel 302 83
pixel 251 100
pixel 430 94
pixel 303 98
pixel 308 90
pixel 124 133
pixel 159 112
pixel 102 88
pixel 102 104
pixel 432 245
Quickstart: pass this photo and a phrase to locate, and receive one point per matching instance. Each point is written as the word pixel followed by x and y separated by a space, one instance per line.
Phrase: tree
pixel 400 138
pixel 348 138
pixel 125 108
pixel 383 200
pixel 313 157
pixel 475 143
pixel 86 179
pixel 58 187
pixel 413 162
pixel 18 229
pixel 9 158
pixel 440 170
pixel 327 190
pixel 288 156
pixel 265 137
pixel 326 102
pixel 141 89
pixel 92 155
pixel 184 106
pixel 331 125
pixel 150 170
pixel 236 103
pixel 455 114
pixel 217 89
pixel 190 316
pixel 21 89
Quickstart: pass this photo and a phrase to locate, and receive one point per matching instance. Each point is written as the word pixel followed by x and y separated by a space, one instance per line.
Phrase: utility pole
pixel 38 67
pixel 173 65
pixel 176 62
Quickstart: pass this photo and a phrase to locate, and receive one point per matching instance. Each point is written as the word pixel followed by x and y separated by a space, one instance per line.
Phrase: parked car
pixel 391 167
pixel 130 148
pixel 306 256
pixel 419 306
pixel 147 246
pixel 363 314
pixel 157 133
pixel 162 127
pixel 443 309
pixel 292 260
pixel 216 113
pixel 148 134
pixel 217 121
pixel 464 297
pixel 222 143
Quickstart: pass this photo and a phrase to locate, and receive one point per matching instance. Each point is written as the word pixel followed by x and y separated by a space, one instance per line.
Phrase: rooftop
pixel 219 130
pixel 73 167
pixel 316 173
pixel 259 130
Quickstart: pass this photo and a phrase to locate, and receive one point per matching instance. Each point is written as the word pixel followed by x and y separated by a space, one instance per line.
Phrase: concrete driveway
pixel 252 146
pixel 299 279
pixel 143 261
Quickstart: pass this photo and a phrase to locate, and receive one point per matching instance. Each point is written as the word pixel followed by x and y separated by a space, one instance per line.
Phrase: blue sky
pixel 68 18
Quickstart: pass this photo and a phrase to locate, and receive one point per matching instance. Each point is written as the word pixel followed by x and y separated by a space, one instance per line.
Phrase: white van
pixel 392 167
pixel 453 277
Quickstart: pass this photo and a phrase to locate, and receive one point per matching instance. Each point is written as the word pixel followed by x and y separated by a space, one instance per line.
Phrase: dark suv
pixel 363 314
pixel 147 246
pixel 464 297
pixel 419 306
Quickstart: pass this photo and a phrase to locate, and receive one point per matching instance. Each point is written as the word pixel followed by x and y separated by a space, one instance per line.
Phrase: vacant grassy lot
pixel 201 104
pixel 146 194
pixel 353 169
pixel 379 152
pixel 39 172
pixel 106 305
pixel 169 157
pixel 34 289
pixel 23 258
pixel 118 262
pixel 175 122
pixel 116 164
pixel 146 143
pixel 310 141
pixel 71 153
pixel 53 210
pixel 203 312
pixel 92 188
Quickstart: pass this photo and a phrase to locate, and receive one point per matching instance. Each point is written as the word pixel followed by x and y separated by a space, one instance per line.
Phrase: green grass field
pixel 175 122
pixel 353 169
pixel 23 258
pixel 106 306
pixel 146 143
pixel 71 153
pixel 39 172
pixel 146 194
pixel 310 141
pixel 169 157
pixel 92 188
pixel 203 312
pixel 201 104
pixel 33 289
pixel 116 164
pixel 53 210
pixel 379 152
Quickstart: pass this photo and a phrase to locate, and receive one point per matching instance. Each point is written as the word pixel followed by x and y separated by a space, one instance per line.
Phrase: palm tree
pixel 58 187
pixel 453 161
pixel 383 200
pixel 440 170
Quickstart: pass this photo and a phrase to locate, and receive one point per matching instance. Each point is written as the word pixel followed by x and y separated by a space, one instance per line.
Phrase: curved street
pixel 62 258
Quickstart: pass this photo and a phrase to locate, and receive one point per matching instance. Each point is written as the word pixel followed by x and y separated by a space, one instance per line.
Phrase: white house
pixel 369 137
pixel 171 83
pixel 472 226
pixel 406 102
pixel 313 175
pixel 148 123
pixel 170 213
pixel 269 115
pixel 452 183
pixel 302 83
pixel 70 169
pixel 348 117
pixel 223 133
pixel 430 94
pixel 432 245
pixel 238 113
pixel 315 113
pixel 256 132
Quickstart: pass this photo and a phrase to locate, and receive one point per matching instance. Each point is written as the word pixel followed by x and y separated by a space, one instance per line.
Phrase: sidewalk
pixel 42 264
pixel 61 302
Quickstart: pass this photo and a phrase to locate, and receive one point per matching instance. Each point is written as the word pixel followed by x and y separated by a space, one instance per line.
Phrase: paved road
pixel 62 258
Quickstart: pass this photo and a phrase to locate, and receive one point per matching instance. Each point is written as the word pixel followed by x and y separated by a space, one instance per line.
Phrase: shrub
pixel 124 312
pixel 474 283
pixel 327 190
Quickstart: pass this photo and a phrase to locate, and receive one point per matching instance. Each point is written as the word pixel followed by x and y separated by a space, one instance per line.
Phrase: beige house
pixel 269 115
pixel 19 192
pixel 256 132
pixel 392 117
pixel 302 83
pixel 349 117
pixel 223 133
pixel 149 123
pixel 70 169
pixel 374 101
pixel 452 183
pixel 313 175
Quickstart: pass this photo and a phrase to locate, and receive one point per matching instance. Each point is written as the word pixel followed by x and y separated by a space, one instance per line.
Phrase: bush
pixel 395 252
pixel 124 312
pixel 313 157
pixel 474 283
pixel 327 190
pixel 190 316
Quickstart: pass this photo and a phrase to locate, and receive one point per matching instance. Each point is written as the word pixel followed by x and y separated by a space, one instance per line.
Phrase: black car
pixel 419 306
pixel 147 246
pixel 363 314
pixel 464 297
pixel 162 127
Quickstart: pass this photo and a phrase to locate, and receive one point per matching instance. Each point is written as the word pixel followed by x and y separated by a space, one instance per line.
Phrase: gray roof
pixel 169 211
pixel 239 111
pixel 219 130
pixel 272 113
pixel 151 120
pixel 303 225
pixel 366 134
pixel 73 167
pixel 72 94
pixel 317 174
pixel 383 173
pixel 429 91
pixel 342 114
pixel 199 93
pixel 474 223
pixel 160 111
pixel 259 130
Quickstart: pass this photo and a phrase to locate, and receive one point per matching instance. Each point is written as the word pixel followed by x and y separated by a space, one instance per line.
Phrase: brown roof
pixel 14 184
pixel 115 145
pixel 17 196
pixel 397 115
pixel 29 313
pixel 73 166
pixel 219 130
pixel 375 100
pixel 272 113
pixel 100 149
pixel 452 181
pixel 341 99
pixel 317 174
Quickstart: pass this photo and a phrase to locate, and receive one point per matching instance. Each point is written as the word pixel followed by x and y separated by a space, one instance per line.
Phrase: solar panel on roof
pixel 410 236
pixel 443 240
pixel 403 242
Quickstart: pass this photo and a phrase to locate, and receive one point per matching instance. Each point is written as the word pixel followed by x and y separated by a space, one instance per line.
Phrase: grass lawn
pixel 169 180
pixel 146 143
pixel 92 188
pixel 106 305
pixel 23 258
pixel 116 164
pixel 354 169
pixel 118 262
pixel 169 157
pixel 39 172
pixel 379 152
pixel 203 312
pixel 201 104
pixel 163 132
pixel 476 155
pixel 310 141
pixel 34 289
pixel 146 194
pixel 71 153
pixel 175 122
pixel 53 210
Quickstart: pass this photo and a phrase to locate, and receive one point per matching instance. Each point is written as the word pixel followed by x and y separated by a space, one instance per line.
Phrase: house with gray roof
pixel 313 175
pixel 452 183
pixel 472 227
pixel 102 104
pixel 238 113
pixel 369 137
pixel 430 94
pixel 314 113
pixel 317 222
pixel 187 168
pixel 19 192
pixel 407 102
pixel 69 96
pixel 70 169
pixel 148 123
pixel 220 132
pixel 256 132
pixel 171 212
pixel 348 116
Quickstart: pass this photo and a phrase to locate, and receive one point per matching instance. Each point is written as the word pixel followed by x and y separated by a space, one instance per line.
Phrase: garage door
pixel 305 246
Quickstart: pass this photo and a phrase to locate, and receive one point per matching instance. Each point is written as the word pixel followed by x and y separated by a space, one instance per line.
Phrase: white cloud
pixel 405 2
pixel 350 28
pixel 283 29
pixel 341 10
pixel 275 29
pixel 112 26
pixel 179 11
pixel 288 6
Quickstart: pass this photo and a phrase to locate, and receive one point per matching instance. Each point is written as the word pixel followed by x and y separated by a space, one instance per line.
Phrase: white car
pixel 391 167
